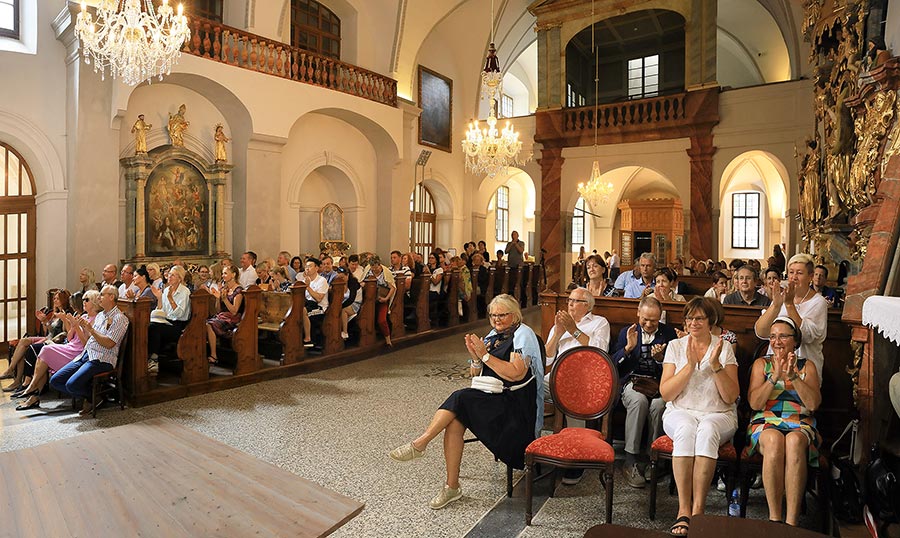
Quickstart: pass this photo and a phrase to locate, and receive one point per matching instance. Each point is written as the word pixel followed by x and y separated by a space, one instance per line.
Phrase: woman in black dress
pixel 505 422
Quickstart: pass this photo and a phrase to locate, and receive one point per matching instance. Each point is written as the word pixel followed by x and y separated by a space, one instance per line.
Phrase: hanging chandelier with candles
pixel 489 150
pixel 596 192
pixel 132 39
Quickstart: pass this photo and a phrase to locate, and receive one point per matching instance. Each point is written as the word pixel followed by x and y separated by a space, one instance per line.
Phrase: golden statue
pixel 221 139
pixel 177 126
pixel 139 129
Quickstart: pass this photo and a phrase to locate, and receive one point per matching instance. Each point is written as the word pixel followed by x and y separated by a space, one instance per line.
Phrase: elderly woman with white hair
pixel 502 414
pixel 801 303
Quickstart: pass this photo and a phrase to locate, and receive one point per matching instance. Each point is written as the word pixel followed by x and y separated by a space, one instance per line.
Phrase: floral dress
pixel 785 412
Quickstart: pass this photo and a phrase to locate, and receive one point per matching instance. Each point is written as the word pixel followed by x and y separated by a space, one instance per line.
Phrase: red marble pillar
pixel 701 154
pixel 551 162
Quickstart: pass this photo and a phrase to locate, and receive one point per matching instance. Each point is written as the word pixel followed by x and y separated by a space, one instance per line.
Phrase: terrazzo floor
pixel 336 428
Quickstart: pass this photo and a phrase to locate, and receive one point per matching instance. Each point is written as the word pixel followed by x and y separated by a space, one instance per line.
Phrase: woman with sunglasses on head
pixel 505 422
pixel 784 390
pixel 700 385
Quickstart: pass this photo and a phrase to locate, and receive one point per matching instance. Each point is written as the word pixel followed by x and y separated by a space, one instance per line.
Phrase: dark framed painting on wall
pixel 177 210
pixel 436 101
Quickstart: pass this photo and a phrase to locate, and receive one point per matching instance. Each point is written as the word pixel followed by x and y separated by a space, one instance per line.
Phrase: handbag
pixel 648 386
pixel 383 292
pixel 486 383
pixel 846 496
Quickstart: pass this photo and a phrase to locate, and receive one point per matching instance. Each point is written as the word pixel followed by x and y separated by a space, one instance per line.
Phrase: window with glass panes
pixel 9 18
pixel 315 28
pixel 643 77
pixel 578 223
pixel 506 106
pixel 501 205
pixel 745 220
pixel 421 220
pixel 17 232
pixel 207 9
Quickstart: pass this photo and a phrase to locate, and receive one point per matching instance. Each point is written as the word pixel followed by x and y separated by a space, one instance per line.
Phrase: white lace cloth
pixel 883 314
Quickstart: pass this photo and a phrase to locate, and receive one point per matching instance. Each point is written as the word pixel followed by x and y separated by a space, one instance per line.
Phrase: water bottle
pixel 734 507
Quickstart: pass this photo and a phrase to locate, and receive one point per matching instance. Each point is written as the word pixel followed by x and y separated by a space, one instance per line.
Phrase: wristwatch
pixel 486 357
pixel 577 334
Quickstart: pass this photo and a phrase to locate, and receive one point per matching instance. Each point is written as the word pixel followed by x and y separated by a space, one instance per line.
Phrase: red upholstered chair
pixel 662 449
pixel 584 384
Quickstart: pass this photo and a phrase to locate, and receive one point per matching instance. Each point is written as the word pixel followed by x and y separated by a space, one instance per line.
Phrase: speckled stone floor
pixel 336 427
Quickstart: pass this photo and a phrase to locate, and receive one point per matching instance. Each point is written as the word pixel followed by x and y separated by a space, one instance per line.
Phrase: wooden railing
pixel 655 110
pixel 210 39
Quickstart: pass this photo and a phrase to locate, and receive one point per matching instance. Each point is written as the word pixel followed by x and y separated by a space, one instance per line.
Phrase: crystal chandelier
pixel 488 150
pixel 135 43
pixel 595 192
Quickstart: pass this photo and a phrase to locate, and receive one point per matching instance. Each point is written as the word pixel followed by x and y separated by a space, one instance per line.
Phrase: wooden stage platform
pixel 158 478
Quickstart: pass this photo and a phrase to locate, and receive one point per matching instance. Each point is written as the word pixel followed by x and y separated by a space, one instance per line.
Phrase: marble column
pixel 140 224
pixel 551 162
pixel 137 171
pixel 216 178
pixel 701 154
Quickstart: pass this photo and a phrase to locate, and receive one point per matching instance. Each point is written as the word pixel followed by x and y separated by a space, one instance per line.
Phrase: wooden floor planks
pixel 157 478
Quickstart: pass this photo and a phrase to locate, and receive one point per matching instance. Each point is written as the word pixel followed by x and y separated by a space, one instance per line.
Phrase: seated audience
pixel 285 260
pixel 638 354
pixel 280 280
pixel 801 303
pixel 86 279
pixel 646 266
pixel 353 298
pixel 297 266
pixel 665 283
pixel 327 269
pixel 127 286
pixel 464 291
pixel 101 351
pixel 499 262
pixel 772 278
pixel 627 277
pixel 700 384
pixel 436 287
pixel 355 269
pixel 819 284
pixel 166 326
pixel 230 302
pixel 109 276
pixel 28 347
pixel 263 278
pixel 53 358
pixel 316 296
pixel 719 287
pixel 156 277
pixel 480 275
pixel 784 390
pixel 745 292
pixel 203 278
pixel 597 283
pixel 485 253
pixel 504 422
pixel 715 325
pixel 386 289
pixel 143 289
pixel 248 274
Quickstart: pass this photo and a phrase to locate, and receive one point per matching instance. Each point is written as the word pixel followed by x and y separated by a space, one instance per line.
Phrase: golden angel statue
pixel 221 139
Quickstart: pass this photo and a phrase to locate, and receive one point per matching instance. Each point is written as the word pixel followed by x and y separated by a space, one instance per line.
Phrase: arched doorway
pixel 17 248
pixel 422 219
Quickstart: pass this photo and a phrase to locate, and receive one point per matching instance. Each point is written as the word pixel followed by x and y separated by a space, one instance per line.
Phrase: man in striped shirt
pixel 100 352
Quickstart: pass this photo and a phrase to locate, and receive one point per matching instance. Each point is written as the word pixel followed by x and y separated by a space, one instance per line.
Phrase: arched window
pixel 207 9
pixel 315 28
pixel 422 219
pixel 578 223
pixel 501 205
pixel 9 18
pixel 17 232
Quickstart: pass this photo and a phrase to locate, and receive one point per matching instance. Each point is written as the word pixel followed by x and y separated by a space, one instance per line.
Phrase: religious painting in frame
pixel 177 210
pixel 331 223
pixel 436 101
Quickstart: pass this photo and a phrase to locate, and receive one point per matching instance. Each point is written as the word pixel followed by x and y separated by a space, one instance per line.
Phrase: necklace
pixel 805 296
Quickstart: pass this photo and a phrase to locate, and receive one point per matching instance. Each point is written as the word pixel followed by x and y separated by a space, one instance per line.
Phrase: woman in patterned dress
pixel 784 390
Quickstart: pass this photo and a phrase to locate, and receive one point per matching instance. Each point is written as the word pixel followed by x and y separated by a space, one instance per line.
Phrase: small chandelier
pixel 595 191
pixel 135 43
pixel 489 151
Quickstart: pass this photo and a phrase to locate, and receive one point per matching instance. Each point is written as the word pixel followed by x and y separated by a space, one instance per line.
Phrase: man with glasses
pixel 573 327
pixel 127 290
pixel 746 293
pixel 109 276
pixel 638 354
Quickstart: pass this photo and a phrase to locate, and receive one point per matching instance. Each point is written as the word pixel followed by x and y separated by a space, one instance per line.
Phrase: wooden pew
pixel 366 316
pixel 527 270
pixel 492 281
pixel 291 331
pixel 696 285
pixel 245 340
pixel 837 398
pixel 137 379
pixel 191 349
pixel 515 283
pixel 331 324
pixel 504 279
pixel 451 285
pixel 423 321
pixel 395 315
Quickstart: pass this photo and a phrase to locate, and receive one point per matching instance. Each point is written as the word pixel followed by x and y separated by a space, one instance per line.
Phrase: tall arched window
pixel 17 232
pixel 578 223
pixel 422 218
pixel 501 206
pixel 315 28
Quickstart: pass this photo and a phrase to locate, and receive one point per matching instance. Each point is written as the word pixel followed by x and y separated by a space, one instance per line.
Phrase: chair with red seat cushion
pixel 662 449
pixel 584 384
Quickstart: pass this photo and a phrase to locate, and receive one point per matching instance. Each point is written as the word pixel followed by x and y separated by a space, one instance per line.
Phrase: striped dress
pixel 786 413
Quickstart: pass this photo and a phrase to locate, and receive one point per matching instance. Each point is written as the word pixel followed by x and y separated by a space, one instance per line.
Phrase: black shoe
pixel 572 476
pixel 26 406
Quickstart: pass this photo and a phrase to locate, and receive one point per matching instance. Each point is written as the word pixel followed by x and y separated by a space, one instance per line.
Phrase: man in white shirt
pixel 127 290
pixel 575 326
pixel 613 264
pixel 248 274
pixel 316 287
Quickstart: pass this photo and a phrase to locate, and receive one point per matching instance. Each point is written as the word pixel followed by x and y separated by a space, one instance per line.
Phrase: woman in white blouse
pixel 700 384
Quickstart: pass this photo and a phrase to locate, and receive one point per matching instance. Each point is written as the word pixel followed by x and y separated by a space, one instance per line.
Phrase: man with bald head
pixel 110 272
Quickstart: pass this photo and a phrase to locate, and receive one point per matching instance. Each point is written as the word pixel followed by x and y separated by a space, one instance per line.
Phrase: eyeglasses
pixel 780 337
pixel 571 300
pixel 695 319
pixel 500 316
